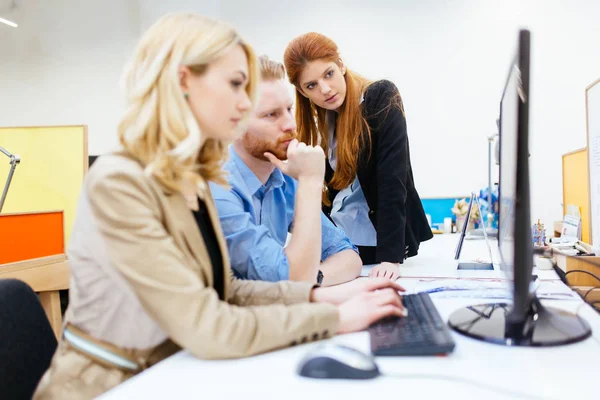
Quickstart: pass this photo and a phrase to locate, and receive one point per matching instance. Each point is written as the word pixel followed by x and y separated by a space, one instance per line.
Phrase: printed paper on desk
pixel 491 289
pixel 465 288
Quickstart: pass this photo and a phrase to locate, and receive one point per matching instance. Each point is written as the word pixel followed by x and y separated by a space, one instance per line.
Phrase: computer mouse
pixel 335 361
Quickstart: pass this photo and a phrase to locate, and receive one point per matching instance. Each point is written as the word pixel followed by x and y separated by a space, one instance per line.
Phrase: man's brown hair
pixel 270 70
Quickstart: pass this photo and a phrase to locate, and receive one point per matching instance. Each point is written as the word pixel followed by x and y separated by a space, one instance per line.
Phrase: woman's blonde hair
pixel 159 128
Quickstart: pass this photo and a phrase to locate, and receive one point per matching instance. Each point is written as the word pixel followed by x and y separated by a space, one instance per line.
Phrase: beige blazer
pixel 141 275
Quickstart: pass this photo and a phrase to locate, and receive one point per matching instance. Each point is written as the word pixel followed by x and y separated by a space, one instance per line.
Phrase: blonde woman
pixel 150 271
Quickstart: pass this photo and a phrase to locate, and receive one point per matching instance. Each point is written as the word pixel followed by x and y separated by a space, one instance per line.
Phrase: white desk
pixel 566 372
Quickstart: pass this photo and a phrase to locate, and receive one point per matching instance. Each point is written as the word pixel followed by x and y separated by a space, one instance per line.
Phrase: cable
pixel 563 276
pixel 590 291
pixel 581 271
pixel 472 382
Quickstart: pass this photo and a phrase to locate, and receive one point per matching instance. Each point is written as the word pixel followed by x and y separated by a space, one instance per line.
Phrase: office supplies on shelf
pixel 571 226
pixel 538 234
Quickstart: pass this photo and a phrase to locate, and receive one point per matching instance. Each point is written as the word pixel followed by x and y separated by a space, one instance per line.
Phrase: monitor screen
pixel 509 115
pixel 514 228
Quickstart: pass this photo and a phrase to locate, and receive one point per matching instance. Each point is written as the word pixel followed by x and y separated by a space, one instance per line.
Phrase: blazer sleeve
pixel 392 175
pixel 175 296
pixel 251 292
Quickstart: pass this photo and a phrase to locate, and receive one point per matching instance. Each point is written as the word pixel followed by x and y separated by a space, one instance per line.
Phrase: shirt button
pixel 315 337
pixel 304 339
pixel 371 212
pixel 293 343
pixel 325 333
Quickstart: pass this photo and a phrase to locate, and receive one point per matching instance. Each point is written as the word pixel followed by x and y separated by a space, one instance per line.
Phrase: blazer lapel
pixel 188 228
pixel 187 225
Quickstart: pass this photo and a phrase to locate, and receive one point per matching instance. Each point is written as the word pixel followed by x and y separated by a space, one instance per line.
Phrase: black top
pixel 212 247
pixel 386 179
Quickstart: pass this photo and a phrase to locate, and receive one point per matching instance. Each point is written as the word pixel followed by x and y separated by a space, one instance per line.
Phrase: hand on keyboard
pixel 422 333
pixel 340 293
pixel 364 309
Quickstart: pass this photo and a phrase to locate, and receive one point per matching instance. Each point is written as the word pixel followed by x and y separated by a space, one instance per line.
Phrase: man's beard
pixel 258 147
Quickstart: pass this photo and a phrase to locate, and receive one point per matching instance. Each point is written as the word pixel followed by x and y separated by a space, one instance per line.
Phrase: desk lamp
pixel 14 160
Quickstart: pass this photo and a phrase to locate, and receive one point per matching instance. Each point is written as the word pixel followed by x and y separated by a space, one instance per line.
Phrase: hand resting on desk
pixel 385 270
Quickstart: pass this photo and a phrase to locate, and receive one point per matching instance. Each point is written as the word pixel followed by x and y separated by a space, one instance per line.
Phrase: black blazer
pixel 386 179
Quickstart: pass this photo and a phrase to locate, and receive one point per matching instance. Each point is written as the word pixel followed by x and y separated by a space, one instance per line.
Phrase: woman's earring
pixel 186 96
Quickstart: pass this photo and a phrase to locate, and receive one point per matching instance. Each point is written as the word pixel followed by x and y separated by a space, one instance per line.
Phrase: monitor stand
pixel 543 326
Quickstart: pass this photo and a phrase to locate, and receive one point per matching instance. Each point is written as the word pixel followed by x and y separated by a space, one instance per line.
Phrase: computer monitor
pixel 473 265
pixel 524 321
pixel 463 231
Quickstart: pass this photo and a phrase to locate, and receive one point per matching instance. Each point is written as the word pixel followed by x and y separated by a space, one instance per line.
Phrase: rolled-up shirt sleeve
pixel 334 239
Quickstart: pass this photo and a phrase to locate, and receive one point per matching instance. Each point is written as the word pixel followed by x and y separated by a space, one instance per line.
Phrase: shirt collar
pixel 250 179
pixel 276 179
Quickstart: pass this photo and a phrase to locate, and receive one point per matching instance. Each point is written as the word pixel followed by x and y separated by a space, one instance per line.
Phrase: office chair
pixel 27 342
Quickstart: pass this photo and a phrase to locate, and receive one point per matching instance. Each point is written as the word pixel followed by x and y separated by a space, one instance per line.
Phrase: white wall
pixel 151 10
pixel 448 58
pixel 62 65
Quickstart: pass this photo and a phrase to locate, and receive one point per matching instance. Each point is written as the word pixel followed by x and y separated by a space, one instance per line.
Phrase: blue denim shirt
pixel 256 219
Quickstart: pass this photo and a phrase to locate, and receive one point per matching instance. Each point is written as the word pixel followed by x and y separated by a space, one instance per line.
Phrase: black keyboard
pixel 421 333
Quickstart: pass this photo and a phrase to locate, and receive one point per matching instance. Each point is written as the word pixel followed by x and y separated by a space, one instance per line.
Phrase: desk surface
pixel 474 370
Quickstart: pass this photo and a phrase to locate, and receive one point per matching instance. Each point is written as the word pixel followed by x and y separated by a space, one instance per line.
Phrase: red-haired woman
pixel 369 189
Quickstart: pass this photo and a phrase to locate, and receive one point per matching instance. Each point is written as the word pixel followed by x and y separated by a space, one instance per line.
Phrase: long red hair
pixel 352 130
